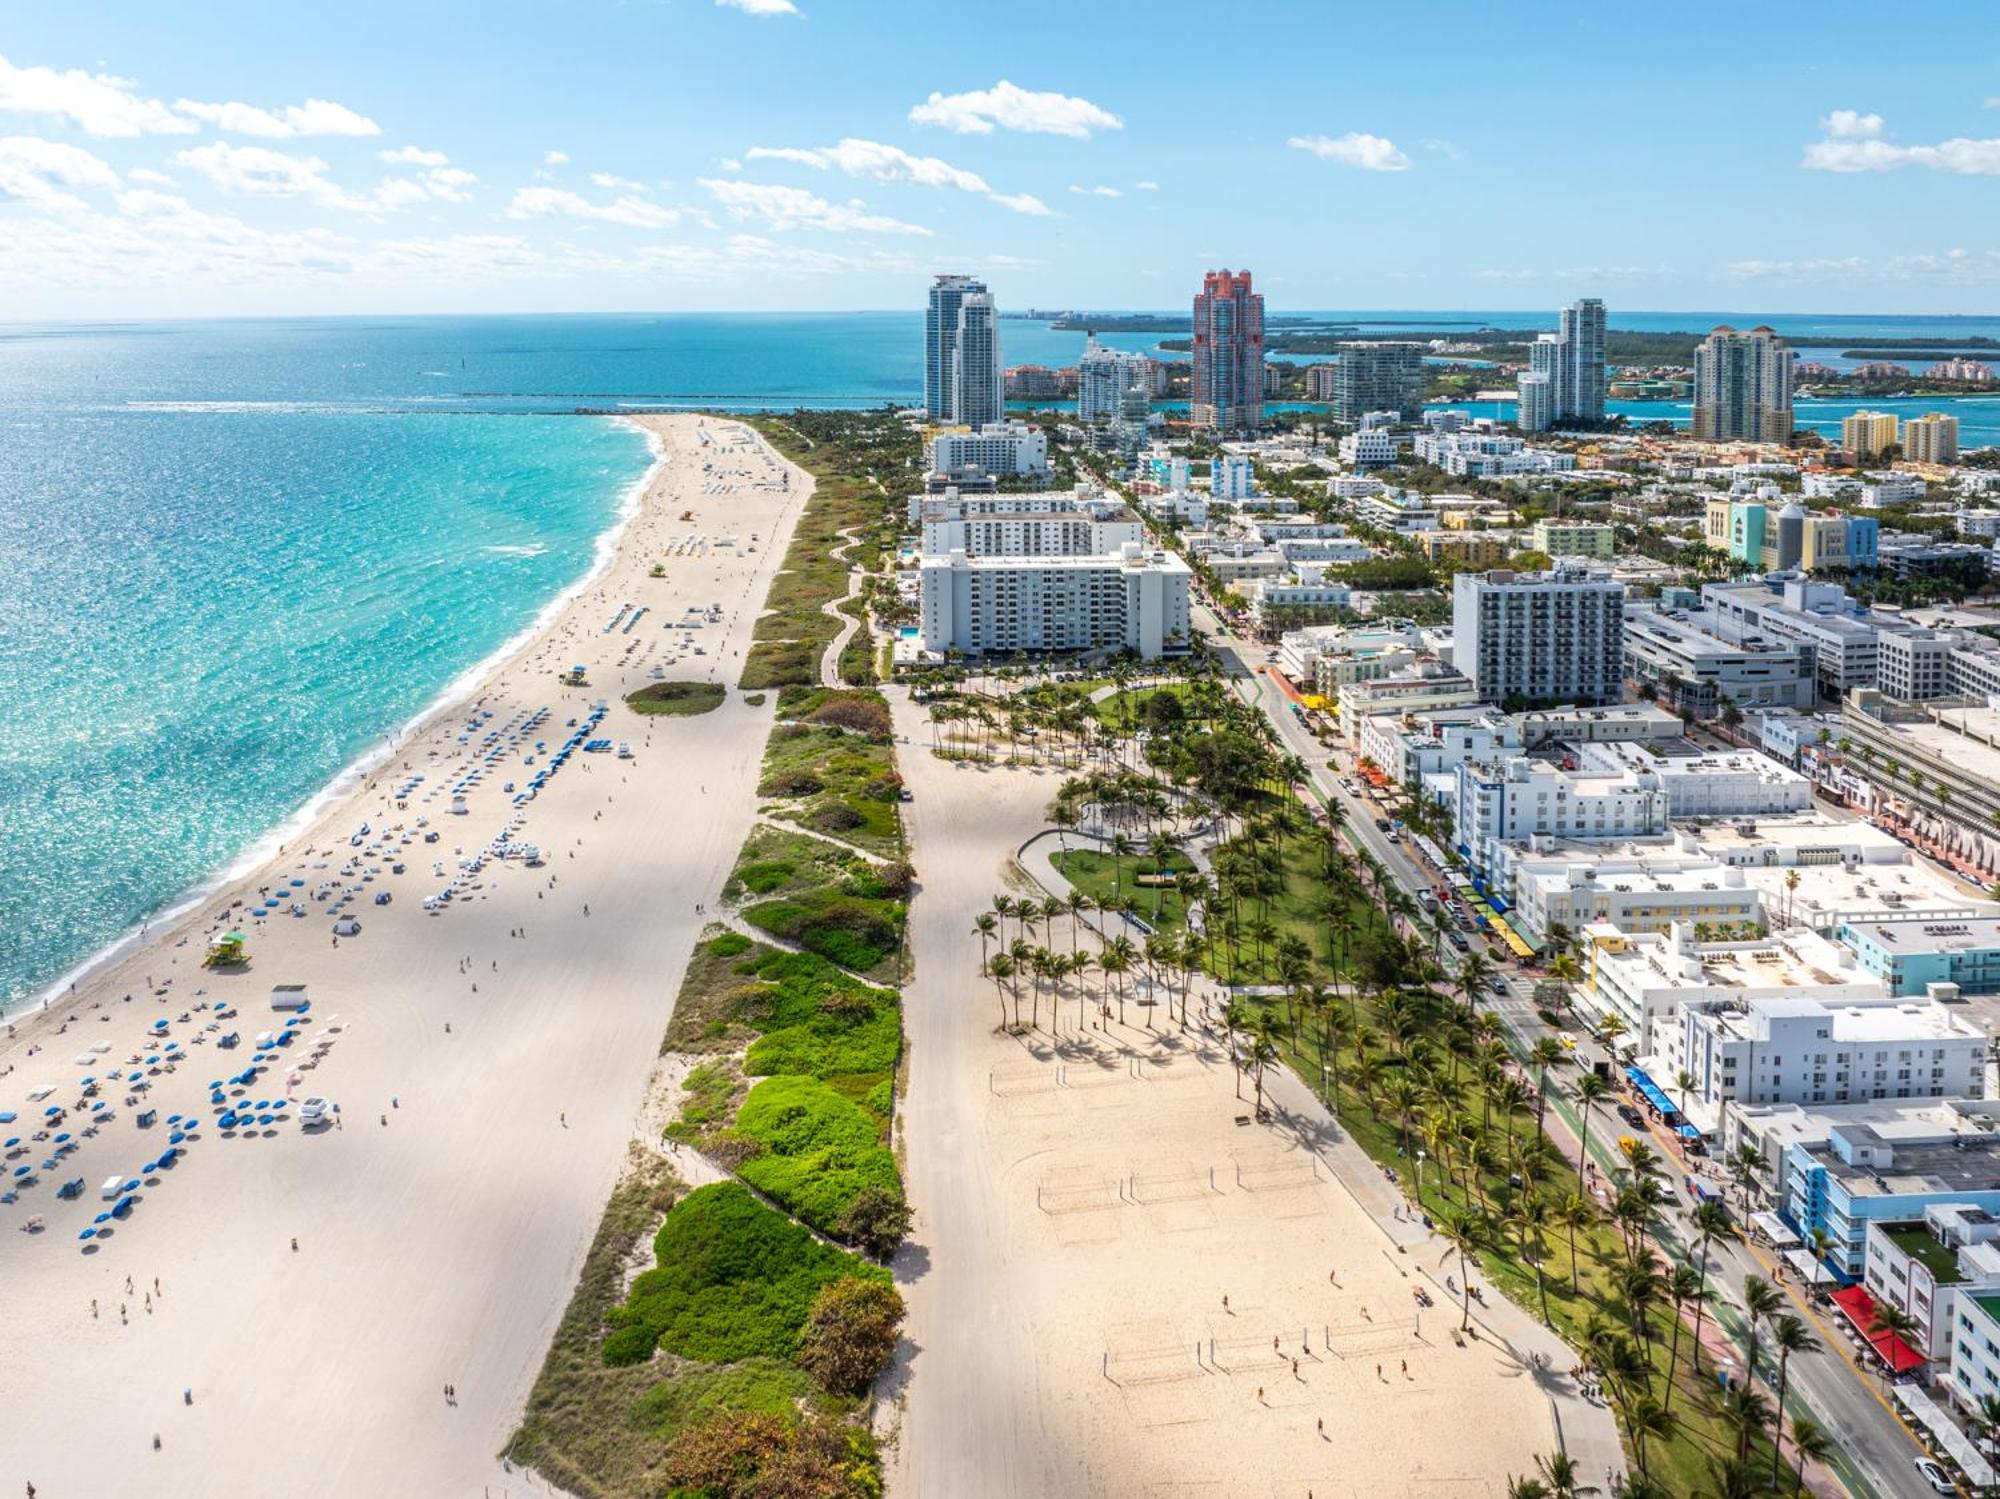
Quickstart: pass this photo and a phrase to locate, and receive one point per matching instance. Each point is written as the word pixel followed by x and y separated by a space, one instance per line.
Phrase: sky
pixel 169 158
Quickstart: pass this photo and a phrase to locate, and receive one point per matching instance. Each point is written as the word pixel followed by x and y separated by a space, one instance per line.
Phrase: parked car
pixel 1935 1476
pixel 1631 1116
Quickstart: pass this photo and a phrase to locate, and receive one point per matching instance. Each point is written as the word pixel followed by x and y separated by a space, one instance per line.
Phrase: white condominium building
pixel 1011 448
pixel 1105 378
pixel 1133 599
pixel 1040 533
pixel 1518 797
pixel 1553 637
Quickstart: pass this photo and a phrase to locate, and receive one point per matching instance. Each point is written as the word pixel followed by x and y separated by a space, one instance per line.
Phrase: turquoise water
pixel 237 554
pixel 208 614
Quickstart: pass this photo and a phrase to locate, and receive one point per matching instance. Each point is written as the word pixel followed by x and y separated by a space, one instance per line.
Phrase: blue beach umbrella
pixel 88 1233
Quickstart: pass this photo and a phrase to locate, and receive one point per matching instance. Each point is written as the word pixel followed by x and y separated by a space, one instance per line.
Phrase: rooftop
pixel 1920 1244
pixel 1967 1164
pixel 1931 932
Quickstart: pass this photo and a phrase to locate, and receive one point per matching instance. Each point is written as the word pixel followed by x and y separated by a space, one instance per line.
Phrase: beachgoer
pixel 187 1397
pixel 295 1245
pixel 1406 1368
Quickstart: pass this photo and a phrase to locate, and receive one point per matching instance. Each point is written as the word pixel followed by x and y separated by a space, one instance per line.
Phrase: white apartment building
pixel 1035 533
pixel 1105 378
pixel 1892 489
pixel 1408 747
pixel 1634 895
pixel 1396 510
pixel 1647 979
pixel 1353 486
pixel 1427 686
pixel 1553 637
pixel 1488 455
pixel 1979 525
pixel 1299 651
pixel 1232 477
pixel 1324 549
pixel 1178 506
pixel 1792 1048
pixel 1014 449
pixel 1371 447
pixel 1518 797
pixel 1133 599
pixel 1719 783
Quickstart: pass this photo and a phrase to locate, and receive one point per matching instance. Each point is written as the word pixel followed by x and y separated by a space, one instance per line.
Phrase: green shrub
pixel 820 1149
pixel 851 1334
pixel 734 1280
pixel 764 876
pixel 827 1046
pixel 881 1099
pixel 630 1344
pixel 729 944
pixel 681 699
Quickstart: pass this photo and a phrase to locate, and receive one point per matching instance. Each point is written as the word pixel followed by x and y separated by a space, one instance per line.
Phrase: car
pixel 1500 986
pixel 1460 943
pixel 1567 1039
pixel 1631 1116
pixel 904 794
pixel 1382 824
pixel 313 1112
pixel 1934 1475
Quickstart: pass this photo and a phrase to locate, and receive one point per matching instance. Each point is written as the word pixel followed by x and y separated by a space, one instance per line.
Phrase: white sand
pixel 442 1246
pixel 1080 1218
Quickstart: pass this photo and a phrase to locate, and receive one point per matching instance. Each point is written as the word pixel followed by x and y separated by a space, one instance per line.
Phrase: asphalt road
pixel 1877 1453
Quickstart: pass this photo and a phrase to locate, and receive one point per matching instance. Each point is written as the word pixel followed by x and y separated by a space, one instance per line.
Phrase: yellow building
pixel 1476 548
pixel 1867 433
pixel 1715 524
pixel 1931 438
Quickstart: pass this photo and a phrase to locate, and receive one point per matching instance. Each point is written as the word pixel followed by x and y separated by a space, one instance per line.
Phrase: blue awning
pixel 1649 1090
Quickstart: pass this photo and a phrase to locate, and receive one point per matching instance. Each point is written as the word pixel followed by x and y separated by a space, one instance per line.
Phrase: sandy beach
pixel 283 1308
pixel 1121 1283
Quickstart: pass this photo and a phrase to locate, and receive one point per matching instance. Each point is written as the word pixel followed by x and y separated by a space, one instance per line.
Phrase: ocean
pixel 239 554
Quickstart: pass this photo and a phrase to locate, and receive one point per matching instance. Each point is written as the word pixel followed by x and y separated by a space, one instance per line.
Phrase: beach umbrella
pixel 12 1142
pixel 88 1233
pixel 60 1138
pixel 23 1170
pixel 8 1117
pixel 52 1110
pixel 102 1218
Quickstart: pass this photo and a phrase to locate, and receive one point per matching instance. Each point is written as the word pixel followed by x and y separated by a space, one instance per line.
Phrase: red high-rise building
pixel 1228 390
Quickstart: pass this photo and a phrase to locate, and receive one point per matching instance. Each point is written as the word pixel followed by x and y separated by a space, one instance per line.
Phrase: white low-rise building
pixel 1797 1047
pixel 1706 783
pixel 1371 447
pixel 1134 600
pixel 1634 894
pixel 1512 799
pixel 1646 978
pixel 1014 449
pixel 1396 510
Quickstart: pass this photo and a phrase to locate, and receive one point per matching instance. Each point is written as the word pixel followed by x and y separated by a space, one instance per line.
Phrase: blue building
pixel 1908 953
pixel 1861 1175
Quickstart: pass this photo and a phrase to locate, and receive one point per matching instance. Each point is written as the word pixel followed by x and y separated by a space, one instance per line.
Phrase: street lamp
pixel 1420 1178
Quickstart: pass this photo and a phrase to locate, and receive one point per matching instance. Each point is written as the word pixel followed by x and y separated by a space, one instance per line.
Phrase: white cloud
pixel 414 156
pixel 258 171
pixel 882 163
pixel 1371 153
pixel 1095 192
pixel 555 159
pixel 1026 203
pixel 95 103
pixel 555 202
pixel 1854 151
pixel 1007 107
pixel 148 175
pixel 795 208
pixel 859 158
pixel 1850 124
pixel 1962 266
pixel 36 171
pixel 729 164
pixel 314 117
pixel 1146 187
pixel 615 184
pixel 761 7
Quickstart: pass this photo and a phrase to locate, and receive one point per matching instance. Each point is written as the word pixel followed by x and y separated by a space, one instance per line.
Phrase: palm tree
pixel 1789 1335
pixel 1987 1413
pixel 1762 1301
pixel 1808 1441
pixel 1572 1213
pixel 1466 1231
pixel 1565 1480
pixel 1590 1090
pixel 1900 1326
pixel 1745 1411
pixel 1545 1053
pixel 984 925
pixel 1000 970
pixel 1645 1417
pixel 1263 1053
pixel 1526 1488
pixel 1683 1286
pixel 1731 1478
pixel 1711 1219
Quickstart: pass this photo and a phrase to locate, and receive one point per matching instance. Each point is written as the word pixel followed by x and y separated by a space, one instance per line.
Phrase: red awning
pixel 1859 1308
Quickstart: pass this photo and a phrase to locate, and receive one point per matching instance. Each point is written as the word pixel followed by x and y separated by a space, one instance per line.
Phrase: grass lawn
pixel 1107 880
pixel 677 699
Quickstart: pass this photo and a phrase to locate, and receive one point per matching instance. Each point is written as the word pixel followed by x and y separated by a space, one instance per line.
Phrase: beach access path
pixel 318 1291
pixel 1085 1202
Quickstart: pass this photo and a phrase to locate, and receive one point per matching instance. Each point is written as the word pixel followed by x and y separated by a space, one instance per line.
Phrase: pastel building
pixel 1910 952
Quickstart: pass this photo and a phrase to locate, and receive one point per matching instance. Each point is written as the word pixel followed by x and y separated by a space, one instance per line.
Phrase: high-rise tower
pixel 1228 390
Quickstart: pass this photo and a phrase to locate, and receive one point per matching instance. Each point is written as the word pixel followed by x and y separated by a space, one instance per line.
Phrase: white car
pixel 314 1112
pixel 1935 1476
